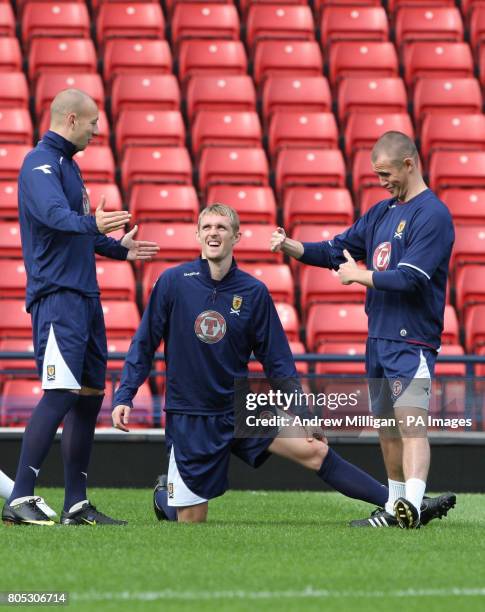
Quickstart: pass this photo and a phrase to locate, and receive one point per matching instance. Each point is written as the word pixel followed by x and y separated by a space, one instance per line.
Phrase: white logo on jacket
pixel 44 168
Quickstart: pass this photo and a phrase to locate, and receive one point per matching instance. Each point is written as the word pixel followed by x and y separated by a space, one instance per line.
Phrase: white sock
pixel 78 506
pixel 415 489
pixel 396 489
pixel 6 485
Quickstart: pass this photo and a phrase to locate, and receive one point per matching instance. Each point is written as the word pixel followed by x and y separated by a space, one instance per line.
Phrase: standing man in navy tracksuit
pixel 406 242
pixel 60 238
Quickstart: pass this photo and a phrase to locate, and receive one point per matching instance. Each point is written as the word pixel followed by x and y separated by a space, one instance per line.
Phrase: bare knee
pixel 193 514
pixel 90 391
pixel 318 454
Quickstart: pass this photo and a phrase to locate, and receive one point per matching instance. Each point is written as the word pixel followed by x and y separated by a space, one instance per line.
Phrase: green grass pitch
pixel 258 551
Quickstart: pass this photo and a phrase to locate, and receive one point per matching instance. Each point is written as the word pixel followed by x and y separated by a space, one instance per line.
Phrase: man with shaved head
pixel 405 242
pixel 60 239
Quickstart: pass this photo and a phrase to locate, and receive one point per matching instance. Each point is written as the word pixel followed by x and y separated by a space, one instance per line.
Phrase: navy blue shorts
pixel 399 373
pixel 69 340
pixel 201 447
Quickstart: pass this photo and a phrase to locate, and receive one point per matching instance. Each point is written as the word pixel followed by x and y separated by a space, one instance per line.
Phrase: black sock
pixel 38 437
pixel 76 444
pixel 351 481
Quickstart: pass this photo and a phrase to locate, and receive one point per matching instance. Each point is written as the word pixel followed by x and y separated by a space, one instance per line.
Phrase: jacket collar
pixel 59 142
pixel 203 266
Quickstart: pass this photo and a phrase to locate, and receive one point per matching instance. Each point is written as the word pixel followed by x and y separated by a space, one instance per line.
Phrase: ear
pixel 197 236
pixel 237 237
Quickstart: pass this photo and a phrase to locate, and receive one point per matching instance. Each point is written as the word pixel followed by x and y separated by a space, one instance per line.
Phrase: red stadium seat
pixel 467 206
pixel 320 5
pixel 164 203
pixel 254 204
pixel 11 158
pixel 10 54
pixel 302 130
pixel 353 23
pixel 7 20
pixel 475 328
pixel 297 348
pixel 228 93
pixel 27 366
pixel 177 240
pixel 306 94
pixel 363 129
pixel 96 4
pixel 97 164
pixel 355 368
pixel 289 319
pixel 245 5
pixel 142 57
pixel 469 245
pixel 229 129
pixel 277 277
pixel 151 272
pixel 121 318
pixel 446 96
pixel 109 190
pixel 371 95
pixel 254 244
pixel 14 92
pixel 469 288
pixel 370 196
pixel 312 233
pixel 102 138
pixel 322 167
pixel 8 200
pixel 317 205
pixel 116 280
pixel 15 126
pixel 450 334
pixel 454 169
pixel 61 55
pixel 208 20
pixel 293 22
pixel 287 58
pixel 452 132
pixel 394 5
pixel 15 322
pixel 54 19
pixel 335 323
pixel 447 60
pixel 467 6
pixel 13 279
pixel 362 59
pixel 211 57
pixel 155 165
pixel 50 84
pixel 18 400
pixel 233 165
pixel 441 23
pixel 450 369
pixel 141 415
pixel 319 285
pixel 477 27
pixel 151 92
pixel 149 128
pixel 122 20
pixel 10 245
pixel 363 176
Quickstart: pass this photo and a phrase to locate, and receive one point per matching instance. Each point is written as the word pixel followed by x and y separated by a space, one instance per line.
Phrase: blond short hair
pixel 223 211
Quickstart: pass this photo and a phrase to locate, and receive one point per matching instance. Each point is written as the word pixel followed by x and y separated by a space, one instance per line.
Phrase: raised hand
pixel 110 221
pixel 277 239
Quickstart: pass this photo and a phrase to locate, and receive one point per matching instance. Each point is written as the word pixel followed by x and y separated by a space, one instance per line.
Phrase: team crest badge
pixel 236 304
pixel 400 229
pixel 396 388
pixel 86 202
pixel 382 256
pixel 210 326
pixel 51 372
pixel 170 490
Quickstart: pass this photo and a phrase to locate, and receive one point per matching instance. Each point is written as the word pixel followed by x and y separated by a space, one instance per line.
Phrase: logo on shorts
pixel 210 326
pixel 396 388
pixel 236 304
pixel 170 490
pixel 51 372
pixel 382 256
pixel 400 229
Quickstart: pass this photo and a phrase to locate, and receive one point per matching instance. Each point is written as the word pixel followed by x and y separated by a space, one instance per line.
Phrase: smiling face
pixel 216 236
pixel 395 176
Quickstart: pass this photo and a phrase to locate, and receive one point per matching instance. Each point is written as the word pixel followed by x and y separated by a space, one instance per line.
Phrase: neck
pixel 415 190
pixel 219 269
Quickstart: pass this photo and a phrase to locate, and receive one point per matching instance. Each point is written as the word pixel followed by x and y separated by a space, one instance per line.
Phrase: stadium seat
pixel 228 93
pixel 286 58
pixel 15 126
pixel 469 288
pixel 24 367
pixel 394 5
pixel 122 20
pixel 164 203
pixel 254 204
pixel 207 20
pixel 109 190
pixel 363 176
pixel 149 128
pixel 450 334
pixel 10 245
pixel 254 244
pixel 477 27
pixel 312 233
pixel 277 277
pixel 96 4
pixel 354 368
pixel 461 95
pixel 452 132
pixel 362 59
pixel 318 285
pixel 467 206
pixel 469 245
pixel 116 280
pixel 121 318
pixel 297 348
pixel 371 95
pixel 61 55
pixel 15 322
pixel 435 23
pixel 304 95
pixel 97 164
pixel 450 369
pixel 18 400
pixel 13 279
pixel 353 23
pixel 322 167
pixel 139 92
pixel 50 84
pixel 447 60
pixel 8 200
pixel 467 6
pixel 317 205
pixel 11 158
pixel 10 54
pixel 7 19
pixel 245 5
pixel 289 319
pixel 211 57
pixel 177 240
pixel 141 415
pixel 363 129
pixel 54 19
pixel 233 165
pixel 475 328
pixel 152 271
pixel 229 129
pixel 370 196
pixel 455 169
pixel 290 129
pixel 102 138
pixel 142 57
pixel 292 22
pixel 14 92
pixel 155 165
pixel 335 323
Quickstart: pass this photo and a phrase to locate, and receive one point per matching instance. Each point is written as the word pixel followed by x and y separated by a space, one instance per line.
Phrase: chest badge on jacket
pixel 382 256
pixel 236 305
pixel 210 326
pixel 400 229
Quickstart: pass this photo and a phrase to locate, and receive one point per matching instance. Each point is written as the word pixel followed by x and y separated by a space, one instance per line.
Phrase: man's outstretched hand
pixel 108 222
pixel 138 249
